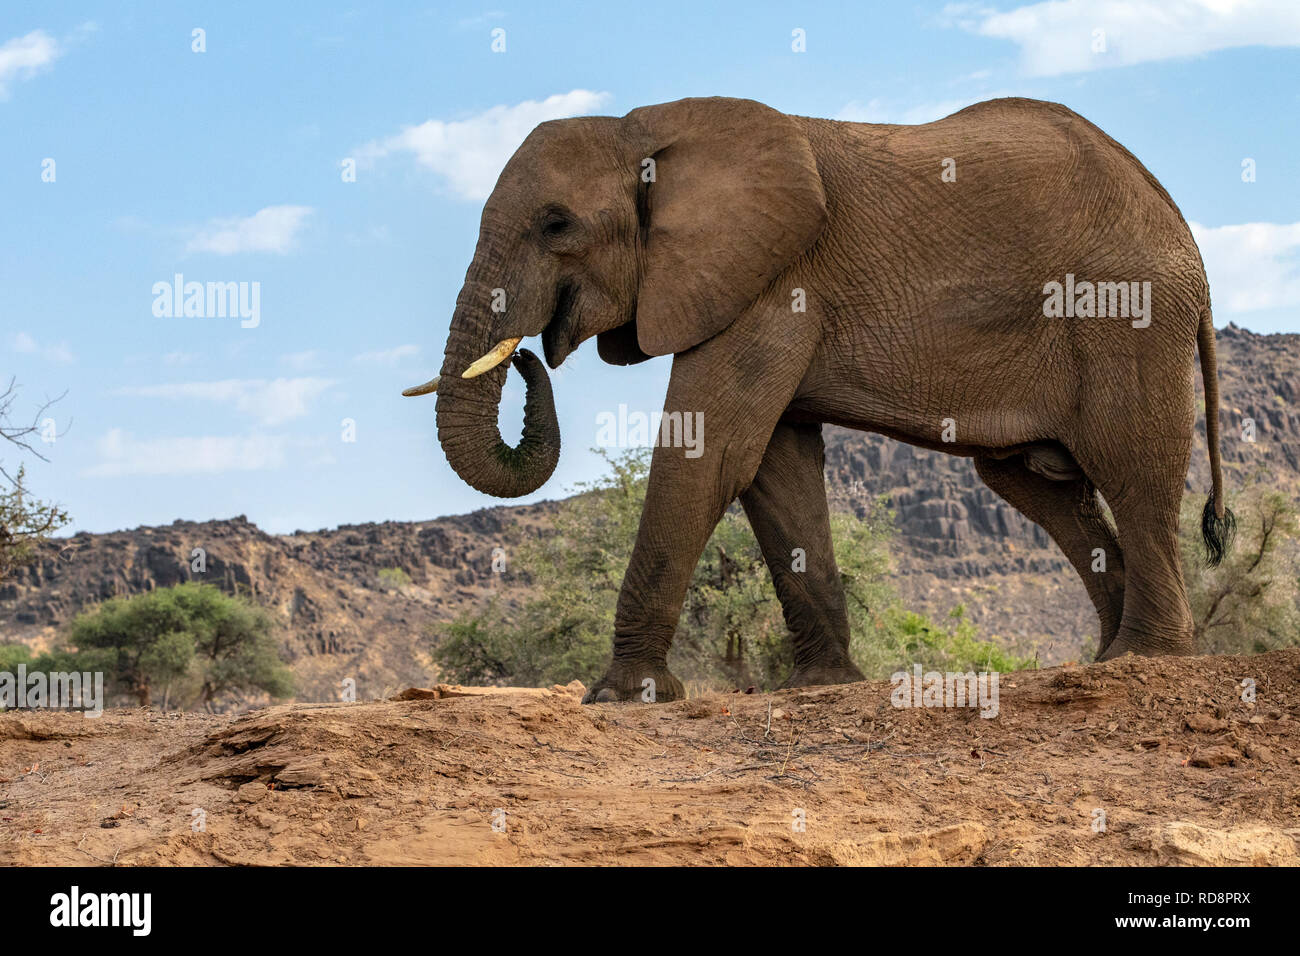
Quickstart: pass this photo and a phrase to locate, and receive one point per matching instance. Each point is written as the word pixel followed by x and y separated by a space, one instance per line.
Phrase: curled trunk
pixel 468 408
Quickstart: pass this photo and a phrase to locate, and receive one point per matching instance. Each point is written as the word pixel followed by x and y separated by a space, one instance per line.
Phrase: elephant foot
pixel 844 673
pixel 650 683
pixel 1147 645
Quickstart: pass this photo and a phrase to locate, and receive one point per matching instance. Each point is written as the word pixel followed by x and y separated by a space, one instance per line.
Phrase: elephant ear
pixel 736 197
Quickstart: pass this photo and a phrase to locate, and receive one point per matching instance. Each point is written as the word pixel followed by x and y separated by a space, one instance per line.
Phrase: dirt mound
pixel 1128 762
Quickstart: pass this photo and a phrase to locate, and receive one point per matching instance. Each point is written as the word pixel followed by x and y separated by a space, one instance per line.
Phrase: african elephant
pixel 956 285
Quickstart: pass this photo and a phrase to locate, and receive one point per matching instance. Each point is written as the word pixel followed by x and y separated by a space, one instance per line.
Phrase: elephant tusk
pixel 427 388
pixel 500 352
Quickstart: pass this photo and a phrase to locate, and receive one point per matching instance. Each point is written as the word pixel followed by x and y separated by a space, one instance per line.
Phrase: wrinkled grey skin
pixel 924 307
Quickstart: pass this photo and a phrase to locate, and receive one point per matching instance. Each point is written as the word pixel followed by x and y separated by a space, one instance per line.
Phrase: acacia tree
pixel 24 521
pixel 1248 604
pixel 190 639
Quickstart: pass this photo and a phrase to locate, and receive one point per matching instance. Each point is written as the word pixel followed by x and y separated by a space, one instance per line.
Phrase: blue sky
pixel 225 166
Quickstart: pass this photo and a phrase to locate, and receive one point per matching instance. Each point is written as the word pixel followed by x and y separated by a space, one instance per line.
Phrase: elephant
pixel 971 285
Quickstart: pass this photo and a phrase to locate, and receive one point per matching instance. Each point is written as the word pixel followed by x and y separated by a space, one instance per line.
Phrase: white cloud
pixel 1057 37
pixel 24 344
pixel 470 153
pixel 1251 266
pixel 23 57
pixel 121 454
pixel 273 229
pixel 269 402
pixel 389 356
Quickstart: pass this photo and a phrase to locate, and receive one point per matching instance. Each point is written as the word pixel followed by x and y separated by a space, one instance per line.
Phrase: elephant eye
pixel 555 224
pixel 554 227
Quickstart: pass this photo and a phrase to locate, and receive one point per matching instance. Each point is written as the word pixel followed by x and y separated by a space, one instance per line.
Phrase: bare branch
pixel 21 435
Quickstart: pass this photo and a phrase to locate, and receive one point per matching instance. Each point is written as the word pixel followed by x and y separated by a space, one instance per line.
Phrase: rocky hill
pixel 958 543
pixel 355 601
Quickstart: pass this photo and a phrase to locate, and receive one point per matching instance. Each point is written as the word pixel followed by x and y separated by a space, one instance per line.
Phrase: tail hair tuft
pixel 1216 532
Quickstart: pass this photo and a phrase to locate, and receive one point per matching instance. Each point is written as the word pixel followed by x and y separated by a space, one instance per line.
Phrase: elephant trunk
pixel 468 408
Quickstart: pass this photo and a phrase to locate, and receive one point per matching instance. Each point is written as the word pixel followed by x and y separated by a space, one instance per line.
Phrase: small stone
pixel 1215 757
pixel 1205 724
pixel 697 709
pixel 1259 752
pixel 253 792
pixel 419 693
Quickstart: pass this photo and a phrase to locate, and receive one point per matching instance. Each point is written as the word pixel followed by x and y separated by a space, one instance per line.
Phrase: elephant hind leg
pixel 1142 481
pixel 786 505
pixel 1066 507
pixel 1157 619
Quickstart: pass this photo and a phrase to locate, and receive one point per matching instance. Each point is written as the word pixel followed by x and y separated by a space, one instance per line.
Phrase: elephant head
pixel 652 232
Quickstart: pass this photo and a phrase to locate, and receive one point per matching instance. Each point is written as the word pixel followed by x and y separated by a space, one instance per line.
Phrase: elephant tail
pixel 1218 523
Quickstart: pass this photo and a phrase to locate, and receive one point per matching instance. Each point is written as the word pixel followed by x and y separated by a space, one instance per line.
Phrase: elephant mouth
pixel 558 340
pixel 558 336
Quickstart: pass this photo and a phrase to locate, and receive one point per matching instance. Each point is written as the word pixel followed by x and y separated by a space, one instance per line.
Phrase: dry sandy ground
pixel 1184 770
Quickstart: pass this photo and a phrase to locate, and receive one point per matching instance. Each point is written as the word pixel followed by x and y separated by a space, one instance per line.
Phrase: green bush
pixel 190 643
pixel 911 639
pixel 11 655
pixel 394 577
pixel 24 521
pixel 564 629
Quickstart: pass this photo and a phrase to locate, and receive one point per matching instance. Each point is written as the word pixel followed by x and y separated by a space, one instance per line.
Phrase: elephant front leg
pixel 725 398
pixel 787 508
pixel 684 502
